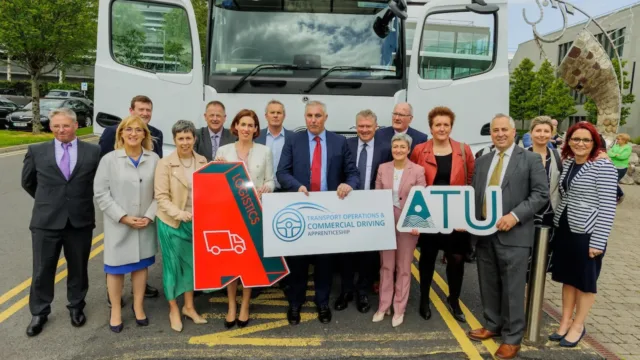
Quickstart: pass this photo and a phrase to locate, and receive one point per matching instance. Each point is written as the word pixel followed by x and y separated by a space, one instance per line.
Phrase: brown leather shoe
pixel 481 334
pixel 506 351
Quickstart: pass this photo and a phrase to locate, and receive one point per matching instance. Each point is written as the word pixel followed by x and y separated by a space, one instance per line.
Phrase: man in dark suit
pixel 369 154
pixel 503 256
pixel 315 160
pixel 59 175
pixel 275 135
pixel 211 137
pixel 402 117
pixel 143 107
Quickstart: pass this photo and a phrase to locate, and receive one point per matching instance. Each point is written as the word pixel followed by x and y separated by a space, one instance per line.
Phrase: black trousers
pixel 362 263
pixel 297 284
pixel 454 246
pixel 47 245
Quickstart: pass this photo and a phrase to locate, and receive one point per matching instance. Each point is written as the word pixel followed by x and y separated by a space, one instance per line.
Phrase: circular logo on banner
pixel 288 225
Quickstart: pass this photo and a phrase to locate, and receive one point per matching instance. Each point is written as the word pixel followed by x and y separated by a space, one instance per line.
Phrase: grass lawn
pixel 12 138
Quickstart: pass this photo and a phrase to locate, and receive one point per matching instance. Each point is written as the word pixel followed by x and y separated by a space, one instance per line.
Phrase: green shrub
pixel 636 140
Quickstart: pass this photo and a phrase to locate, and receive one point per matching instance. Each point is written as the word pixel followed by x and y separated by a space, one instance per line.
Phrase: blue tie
pixel 362 166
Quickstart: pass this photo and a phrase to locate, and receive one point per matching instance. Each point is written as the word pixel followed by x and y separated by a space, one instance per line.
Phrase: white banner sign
pixel 321 223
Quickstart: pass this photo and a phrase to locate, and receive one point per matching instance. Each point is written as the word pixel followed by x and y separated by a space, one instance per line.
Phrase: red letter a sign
pixel 227 230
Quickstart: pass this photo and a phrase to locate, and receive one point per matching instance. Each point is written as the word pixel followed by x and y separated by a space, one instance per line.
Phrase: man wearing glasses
pixel 401 118
pixel 211 137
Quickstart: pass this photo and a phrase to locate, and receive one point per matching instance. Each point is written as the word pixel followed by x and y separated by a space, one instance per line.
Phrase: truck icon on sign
pixel 223 240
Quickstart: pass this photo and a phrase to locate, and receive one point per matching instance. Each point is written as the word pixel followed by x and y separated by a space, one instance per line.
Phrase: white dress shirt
pixel 370 148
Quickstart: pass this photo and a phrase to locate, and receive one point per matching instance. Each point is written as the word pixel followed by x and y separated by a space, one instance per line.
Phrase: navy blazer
pixel 262 139
pixel 384 136
pixel 294 169
pixel 381 154
pixel 108 140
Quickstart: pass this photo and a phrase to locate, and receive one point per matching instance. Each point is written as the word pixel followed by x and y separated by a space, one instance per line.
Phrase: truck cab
pixel 351 55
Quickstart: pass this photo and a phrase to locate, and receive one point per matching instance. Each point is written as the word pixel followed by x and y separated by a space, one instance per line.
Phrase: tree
pixel 559 103
pixel 41 35
pixel 520 83
pixel 129 36
pixel 178 38
pixel 201 8
pixel 627 99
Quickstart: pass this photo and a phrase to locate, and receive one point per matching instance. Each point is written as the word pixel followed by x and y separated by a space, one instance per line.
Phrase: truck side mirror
pixel 481 7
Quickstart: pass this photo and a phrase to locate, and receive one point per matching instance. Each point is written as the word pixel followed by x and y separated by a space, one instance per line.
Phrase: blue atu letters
pixel 441 209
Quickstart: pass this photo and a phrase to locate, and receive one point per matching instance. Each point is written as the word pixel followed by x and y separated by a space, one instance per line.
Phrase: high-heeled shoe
pixel 199 320
pixel 117 328
pixel 379 315
pixel 175 327
pixel 143 322
pixel 565 343
pixel 397 321
pixel 241 323
pixel 556 337
pixel 229 324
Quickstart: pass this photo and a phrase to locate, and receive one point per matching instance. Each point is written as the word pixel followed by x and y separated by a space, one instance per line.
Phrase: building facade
pixel 625 36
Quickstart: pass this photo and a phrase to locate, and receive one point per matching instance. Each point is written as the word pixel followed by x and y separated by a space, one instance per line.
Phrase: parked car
pixel 6 107
pixel 59 93
pixel 14 96
pixel 21 120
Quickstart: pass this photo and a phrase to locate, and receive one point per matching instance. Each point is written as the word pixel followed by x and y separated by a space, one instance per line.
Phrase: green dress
pixel 177 258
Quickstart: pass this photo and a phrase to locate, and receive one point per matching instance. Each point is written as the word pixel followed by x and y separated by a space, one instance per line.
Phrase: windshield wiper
pixel 340 68
pixel 259 68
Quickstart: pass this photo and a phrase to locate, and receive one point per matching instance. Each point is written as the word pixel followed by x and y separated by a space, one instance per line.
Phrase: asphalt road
pixel 268 335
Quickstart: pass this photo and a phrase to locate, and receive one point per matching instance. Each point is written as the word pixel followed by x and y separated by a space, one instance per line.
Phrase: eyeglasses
pixel 578 141
pixel 400 114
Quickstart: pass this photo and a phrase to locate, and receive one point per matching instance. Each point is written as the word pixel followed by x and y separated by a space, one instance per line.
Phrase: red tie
pixel 316 166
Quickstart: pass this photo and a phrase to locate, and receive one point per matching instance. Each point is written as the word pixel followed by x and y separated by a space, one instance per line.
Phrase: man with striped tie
pixel 304 167
pixel 211 137
pixel 502 257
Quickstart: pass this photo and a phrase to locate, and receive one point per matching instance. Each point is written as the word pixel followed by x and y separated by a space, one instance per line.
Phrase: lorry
pixel 351 55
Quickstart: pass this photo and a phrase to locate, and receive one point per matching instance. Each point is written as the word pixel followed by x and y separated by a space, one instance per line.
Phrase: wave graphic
pixel 416 221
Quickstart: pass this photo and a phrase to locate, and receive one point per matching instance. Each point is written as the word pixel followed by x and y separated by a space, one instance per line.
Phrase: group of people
pixel 146 200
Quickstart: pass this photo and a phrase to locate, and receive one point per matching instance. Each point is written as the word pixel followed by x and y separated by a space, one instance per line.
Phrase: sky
pixel 520 31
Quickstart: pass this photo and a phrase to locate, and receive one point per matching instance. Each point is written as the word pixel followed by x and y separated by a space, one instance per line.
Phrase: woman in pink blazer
pixel 400 175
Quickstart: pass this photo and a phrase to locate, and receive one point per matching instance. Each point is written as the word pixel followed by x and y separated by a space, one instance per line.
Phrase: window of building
pixel 151 36
pixel 456 45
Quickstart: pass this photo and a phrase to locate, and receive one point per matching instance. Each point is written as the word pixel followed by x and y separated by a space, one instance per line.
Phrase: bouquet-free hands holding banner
pixel 227 230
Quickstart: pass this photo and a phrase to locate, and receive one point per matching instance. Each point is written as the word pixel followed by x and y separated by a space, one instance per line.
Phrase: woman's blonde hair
pixel 625 137
pixel 147 143
pixel 541 120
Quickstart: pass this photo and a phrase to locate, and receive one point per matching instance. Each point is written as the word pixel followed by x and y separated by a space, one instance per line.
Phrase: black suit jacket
pixel 107 140
pixel 262 139
pixel 384 136
pixel 56 199
pixel 294 168
pixel 203 141
pixel 381 154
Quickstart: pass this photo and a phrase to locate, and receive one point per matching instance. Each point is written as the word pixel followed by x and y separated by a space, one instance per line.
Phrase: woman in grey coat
pixel 123 189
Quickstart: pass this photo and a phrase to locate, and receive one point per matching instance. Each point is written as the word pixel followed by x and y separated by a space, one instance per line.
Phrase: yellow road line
pixel 473 322
pixel 453 325
pixel 256 316
pixel 25 300
pixel 25 284
pixel 213 339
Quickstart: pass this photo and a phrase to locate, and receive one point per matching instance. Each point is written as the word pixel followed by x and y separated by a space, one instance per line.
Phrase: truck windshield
pixel 312 34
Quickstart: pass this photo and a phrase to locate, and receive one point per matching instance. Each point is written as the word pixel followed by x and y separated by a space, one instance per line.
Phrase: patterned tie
pixel 214 146
pixel 493 181
pixel 65 162
pixel 316 166
pixel 362 166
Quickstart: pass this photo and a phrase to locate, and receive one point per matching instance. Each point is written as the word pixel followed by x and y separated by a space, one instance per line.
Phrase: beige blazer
pixel 122 189
pixel 412 175
pixel 260 165
pixel 172 187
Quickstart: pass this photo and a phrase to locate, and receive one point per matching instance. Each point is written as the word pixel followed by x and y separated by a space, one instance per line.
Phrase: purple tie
pixel 65 162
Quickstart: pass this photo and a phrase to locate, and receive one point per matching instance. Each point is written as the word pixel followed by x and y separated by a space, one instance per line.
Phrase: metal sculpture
pixel 587 67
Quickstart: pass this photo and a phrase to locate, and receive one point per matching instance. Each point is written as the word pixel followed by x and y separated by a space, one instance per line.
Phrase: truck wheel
pixel 238 249
pixel 215 250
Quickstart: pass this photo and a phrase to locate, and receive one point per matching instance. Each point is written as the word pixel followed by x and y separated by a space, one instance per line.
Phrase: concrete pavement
pixel 350 334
